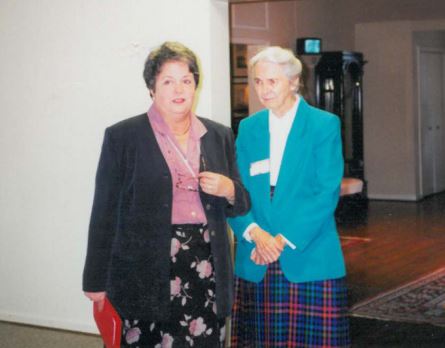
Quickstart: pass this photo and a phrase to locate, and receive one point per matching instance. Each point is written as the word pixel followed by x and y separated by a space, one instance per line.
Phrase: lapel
pixel 150 148
pixel 205 147
pixel 293 152
pixel 259 139
pixel 205 164
pixel 260 136
pixel 209 160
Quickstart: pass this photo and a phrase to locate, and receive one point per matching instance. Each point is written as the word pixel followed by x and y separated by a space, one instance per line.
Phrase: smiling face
pixel 273 87
pixel 174 91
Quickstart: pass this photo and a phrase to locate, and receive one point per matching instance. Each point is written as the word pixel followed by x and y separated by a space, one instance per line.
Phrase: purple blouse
pixel 184 168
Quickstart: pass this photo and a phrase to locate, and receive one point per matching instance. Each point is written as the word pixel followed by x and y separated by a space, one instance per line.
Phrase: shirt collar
pixel 287 118
pixel 197 128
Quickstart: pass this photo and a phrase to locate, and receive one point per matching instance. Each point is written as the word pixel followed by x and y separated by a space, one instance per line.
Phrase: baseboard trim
pixel 390 197
pixel 51 323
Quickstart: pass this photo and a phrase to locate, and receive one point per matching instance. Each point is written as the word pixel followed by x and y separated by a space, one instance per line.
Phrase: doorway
pixel 431 76
pixel 243 98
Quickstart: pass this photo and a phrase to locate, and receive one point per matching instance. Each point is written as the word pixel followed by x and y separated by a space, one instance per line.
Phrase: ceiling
pixel 247 1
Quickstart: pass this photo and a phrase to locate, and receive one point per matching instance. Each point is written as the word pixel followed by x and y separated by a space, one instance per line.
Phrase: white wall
pixel 69 69
pixel 334 20
pixel 390 106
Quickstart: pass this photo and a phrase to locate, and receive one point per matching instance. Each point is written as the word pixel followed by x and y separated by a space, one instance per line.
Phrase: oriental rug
pixel 421 301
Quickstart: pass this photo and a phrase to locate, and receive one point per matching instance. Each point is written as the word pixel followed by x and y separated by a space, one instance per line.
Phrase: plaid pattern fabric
pixel 277 313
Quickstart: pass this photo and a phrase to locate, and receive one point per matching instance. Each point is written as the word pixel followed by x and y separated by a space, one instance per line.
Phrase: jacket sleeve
pixel 301 226
pixel 240 223
pixel 103 218
pixel 242 199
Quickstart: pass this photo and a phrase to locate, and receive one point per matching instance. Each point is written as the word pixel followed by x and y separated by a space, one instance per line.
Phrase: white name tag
pixel 260 167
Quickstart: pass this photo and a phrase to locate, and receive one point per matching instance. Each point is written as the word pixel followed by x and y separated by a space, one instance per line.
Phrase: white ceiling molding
pixel 251 1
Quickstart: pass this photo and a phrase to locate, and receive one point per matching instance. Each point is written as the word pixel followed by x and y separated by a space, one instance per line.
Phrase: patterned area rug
pixel 421 301
pixel 348 241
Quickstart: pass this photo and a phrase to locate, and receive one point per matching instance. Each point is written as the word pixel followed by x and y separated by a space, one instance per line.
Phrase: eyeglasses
pixel 186 182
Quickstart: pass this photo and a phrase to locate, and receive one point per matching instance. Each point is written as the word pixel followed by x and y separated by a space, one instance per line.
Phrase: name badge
pixel 260 167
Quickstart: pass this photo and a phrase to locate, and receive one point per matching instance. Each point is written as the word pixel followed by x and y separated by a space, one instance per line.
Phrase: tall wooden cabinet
pixel 338 81
pixel 338 89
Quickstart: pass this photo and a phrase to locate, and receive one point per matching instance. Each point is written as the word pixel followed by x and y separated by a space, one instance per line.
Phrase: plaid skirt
pixel 277 313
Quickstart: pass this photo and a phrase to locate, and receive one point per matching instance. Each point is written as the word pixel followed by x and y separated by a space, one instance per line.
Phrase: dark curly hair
pixel 167 52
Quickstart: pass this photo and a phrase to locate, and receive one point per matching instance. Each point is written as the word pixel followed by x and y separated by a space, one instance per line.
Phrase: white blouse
pixel 279 128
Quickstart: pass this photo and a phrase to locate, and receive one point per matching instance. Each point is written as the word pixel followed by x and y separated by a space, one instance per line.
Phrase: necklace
pixel 184 132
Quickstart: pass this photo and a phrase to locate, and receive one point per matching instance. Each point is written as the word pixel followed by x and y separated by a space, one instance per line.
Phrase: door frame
pixel 419 50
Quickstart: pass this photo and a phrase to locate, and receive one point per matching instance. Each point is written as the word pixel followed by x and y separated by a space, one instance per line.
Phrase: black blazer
pixel 128 253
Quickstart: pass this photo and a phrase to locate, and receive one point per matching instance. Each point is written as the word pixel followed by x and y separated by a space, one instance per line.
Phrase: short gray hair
pixel 292 66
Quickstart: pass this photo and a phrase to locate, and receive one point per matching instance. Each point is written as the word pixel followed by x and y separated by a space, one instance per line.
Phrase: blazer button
pixel 208 206
pixel 165 205
pixel 212 233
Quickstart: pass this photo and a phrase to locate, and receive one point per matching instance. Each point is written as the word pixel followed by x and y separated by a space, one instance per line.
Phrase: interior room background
pixel 70 69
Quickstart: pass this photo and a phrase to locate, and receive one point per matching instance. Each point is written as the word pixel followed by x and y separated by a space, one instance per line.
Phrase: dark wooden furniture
pixel 338 89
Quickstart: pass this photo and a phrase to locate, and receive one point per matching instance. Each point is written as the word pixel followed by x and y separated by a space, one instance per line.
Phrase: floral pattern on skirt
pixel 193 321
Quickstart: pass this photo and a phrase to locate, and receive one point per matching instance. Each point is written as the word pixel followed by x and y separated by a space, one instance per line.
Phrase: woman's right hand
pixel 217 185
pixel 98 297
pixel 267 247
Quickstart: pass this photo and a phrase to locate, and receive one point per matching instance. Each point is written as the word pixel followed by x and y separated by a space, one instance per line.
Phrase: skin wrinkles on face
pixel 275 91
pixel 174 92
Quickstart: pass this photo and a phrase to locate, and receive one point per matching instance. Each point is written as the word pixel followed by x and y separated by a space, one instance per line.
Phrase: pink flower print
pixel 132 335
pixel 167 341
pixel 206 236
pixel 175 246
pixel 197 327
pixel 204 268
pixel 175 287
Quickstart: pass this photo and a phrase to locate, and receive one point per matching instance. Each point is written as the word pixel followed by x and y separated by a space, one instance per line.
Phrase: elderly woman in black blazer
pixel 158 247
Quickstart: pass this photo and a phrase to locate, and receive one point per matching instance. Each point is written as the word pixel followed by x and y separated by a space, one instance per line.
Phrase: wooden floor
pixel 407 240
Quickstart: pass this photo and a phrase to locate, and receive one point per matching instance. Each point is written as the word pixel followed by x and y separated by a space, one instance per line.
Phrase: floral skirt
pixel 193 321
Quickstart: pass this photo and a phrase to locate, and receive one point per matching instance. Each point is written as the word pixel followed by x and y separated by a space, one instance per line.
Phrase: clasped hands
pixel 267 248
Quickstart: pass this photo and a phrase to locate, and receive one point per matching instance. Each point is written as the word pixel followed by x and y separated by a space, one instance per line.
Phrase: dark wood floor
pixel 407 240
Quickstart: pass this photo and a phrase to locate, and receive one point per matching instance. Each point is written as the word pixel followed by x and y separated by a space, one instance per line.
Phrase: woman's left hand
pixel 260 260
pixel 257 258
pixel 217 185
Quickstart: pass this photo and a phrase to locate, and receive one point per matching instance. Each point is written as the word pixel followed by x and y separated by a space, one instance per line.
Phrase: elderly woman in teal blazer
pixel 290 286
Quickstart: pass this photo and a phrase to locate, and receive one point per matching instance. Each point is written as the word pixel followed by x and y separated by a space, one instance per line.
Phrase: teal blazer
pixel 305 197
